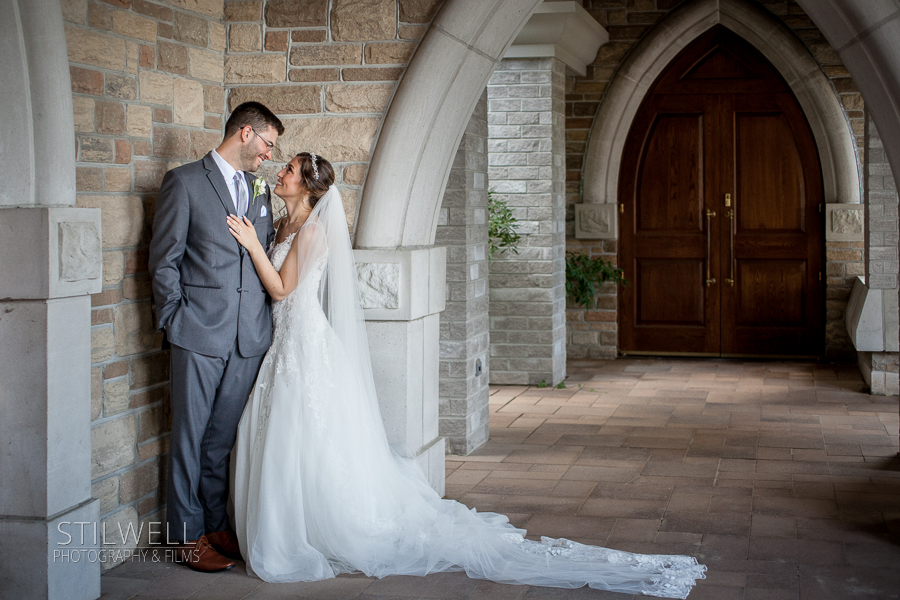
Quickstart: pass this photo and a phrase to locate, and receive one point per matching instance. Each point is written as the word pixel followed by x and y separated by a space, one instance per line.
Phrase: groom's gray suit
pixel 218 319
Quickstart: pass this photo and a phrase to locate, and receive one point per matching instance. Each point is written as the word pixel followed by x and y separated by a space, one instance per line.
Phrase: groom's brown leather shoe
pixel 226 543
pixel 201 556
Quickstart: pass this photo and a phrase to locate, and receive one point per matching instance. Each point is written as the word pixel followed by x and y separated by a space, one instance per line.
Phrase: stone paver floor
pixel 782 477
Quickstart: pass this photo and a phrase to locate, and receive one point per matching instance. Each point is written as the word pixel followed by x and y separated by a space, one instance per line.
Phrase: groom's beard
pixel 248 159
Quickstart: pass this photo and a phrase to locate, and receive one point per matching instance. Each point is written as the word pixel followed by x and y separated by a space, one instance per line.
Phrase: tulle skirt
pixel 317 491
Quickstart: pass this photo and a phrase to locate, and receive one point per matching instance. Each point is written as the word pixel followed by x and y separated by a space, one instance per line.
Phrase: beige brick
pixel 88 179
pixel 110 117
pixel 96 390
pixel 115 396
pixel 113 267
pixel 107 492
pixel 412 32
pixel 314 75
pixel 270 68
pixel 121 218
pixel 154 422
pixel 350 198
pixel 389 53
pixel 132 57
pixel 113 445
pixel 188 102
pixel 117 179
pixel 138 482
pixel 283 100
pixel 134 329
pixel 203 64
pixel 122 87
pixel 172 58
pixel 134 26
pixel 296 13
pixel 341 139
pixel 217 37
pixel 74 11
pixel 123 520
pixel 210 8
pixel 103 344
pixel 363 20
pixel 354 174
pixel 171 142
pixel 277 41
pixel 244 38
pixel 213 99
pixel 244 10
pixel 358 98
pixel 418 11
pixel 372 74
pixel 148 175
pixel 331 54
pixel 138 122
pixel 191 30
pixel 202 142
pixel 97 150
pixel 149 370
pixel 83 109
pixel 97 49
pixel 156 88
pixel 309 36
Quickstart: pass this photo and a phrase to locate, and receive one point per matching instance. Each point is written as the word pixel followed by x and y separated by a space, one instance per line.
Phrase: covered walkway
pixel 782 477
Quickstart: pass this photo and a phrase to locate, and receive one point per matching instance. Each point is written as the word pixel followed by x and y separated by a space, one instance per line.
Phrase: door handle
pixel 709 279
pixel 730 214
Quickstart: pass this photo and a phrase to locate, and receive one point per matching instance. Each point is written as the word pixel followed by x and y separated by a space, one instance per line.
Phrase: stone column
pixel 463 230
pixel 49 263
pixel 402 293
pixel 872 315
pixel 526 158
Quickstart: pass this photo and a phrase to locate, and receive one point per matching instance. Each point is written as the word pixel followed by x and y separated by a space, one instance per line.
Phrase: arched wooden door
pixel 720 200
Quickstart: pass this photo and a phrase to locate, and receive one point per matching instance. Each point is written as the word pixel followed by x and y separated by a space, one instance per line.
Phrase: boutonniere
pixel 259 188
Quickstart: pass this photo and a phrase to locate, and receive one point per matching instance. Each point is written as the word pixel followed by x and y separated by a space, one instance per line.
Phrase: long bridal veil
pixel 318 490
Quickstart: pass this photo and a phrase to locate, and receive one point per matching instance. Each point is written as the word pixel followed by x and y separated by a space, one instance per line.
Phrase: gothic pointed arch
pixel 837 151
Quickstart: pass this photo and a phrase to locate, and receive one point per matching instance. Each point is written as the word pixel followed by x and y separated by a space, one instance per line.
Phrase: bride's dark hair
pixel 317 186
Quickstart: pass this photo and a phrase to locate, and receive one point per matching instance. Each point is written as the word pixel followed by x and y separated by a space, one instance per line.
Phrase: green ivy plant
pixel 501 227
pixel 585 276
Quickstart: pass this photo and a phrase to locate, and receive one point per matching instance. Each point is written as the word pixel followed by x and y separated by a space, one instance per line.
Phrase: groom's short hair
pixel 254 114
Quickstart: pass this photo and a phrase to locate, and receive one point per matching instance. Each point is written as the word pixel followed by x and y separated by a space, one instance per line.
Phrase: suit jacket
pixel 206 289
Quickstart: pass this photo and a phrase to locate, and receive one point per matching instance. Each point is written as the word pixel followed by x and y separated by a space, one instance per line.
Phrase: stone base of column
pixel 48 558
pixel 402 293
pixel 879 370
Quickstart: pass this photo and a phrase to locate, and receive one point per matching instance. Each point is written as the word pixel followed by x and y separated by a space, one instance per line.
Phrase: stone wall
pixel 526 169
pixel 594 333
pixel 328 69
pixel 148 95
pixel 150 83
pixel 463 229
pixel 882 369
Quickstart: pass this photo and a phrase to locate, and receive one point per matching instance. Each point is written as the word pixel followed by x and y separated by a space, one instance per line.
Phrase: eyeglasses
pixel 268 144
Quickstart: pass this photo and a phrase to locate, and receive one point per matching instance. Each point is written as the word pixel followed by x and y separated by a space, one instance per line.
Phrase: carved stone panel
pixel 79 251
pixel 844 222
pixel 595 221
pixel 379 284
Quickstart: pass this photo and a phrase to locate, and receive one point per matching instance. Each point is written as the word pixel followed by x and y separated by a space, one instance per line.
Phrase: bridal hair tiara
pixel 315 166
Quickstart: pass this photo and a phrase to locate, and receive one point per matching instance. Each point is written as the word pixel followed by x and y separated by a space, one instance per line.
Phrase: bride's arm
pixel 278 284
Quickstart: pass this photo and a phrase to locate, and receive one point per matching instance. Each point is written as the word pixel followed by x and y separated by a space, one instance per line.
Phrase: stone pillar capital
pixel 401 285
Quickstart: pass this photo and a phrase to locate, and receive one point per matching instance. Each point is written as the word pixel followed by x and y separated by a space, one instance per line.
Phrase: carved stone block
pixel 79 251
pixel 844 222
pixel 595 221
pixel 379 284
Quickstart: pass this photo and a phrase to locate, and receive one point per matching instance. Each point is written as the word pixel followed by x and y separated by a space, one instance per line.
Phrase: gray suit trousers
pixel 208 397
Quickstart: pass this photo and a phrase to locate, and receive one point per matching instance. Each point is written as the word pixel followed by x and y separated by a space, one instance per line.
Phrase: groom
pixel 217 319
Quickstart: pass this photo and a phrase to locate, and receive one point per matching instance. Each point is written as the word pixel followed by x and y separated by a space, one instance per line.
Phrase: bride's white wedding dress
pixel 317 490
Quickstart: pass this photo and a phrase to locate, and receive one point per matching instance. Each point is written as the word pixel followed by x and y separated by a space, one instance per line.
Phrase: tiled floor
pixel 782 477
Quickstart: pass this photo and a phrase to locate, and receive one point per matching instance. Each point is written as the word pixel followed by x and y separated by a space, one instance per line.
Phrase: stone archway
pixel 786 52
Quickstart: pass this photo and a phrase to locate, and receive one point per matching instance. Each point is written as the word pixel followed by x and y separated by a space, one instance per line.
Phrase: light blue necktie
pixel 242 200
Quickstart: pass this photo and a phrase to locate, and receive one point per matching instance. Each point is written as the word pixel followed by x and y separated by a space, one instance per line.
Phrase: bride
pixel 317 490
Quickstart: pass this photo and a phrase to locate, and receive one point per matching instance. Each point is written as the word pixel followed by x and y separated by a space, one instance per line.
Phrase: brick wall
pixel 150 82
pixel 327 68
pixel 627 21
pixel 526 169
pixel 463 228
pixel 148 95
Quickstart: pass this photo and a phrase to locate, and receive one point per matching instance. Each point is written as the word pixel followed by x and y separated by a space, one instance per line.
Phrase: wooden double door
pixel 721 235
